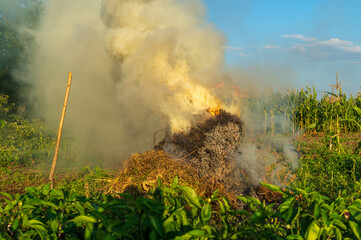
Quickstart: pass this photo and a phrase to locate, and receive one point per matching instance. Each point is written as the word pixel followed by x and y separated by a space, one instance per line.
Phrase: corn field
pixel 276 112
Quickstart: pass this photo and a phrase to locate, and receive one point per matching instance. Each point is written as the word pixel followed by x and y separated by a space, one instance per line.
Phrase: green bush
pixel 22 141
pixel 176 212
pixel 329 172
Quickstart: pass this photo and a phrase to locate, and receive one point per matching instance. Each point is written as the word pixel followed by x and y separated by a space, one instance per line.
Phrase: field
pixel 283 165
pixel 319 198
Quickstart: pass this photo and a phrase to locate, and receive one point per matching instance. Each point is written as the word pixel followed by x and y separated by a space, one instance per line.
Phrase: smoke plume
pixel 138 66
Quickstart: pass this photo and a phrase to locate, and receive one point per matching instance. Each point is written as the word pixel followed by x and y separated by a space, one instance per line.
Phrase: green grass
pixel 27 148
pixel 330 173
pixel 22 141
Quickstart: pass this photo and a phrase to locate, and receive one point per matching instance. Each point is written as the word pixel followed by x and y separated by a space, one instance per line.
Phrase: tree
pixel 16 17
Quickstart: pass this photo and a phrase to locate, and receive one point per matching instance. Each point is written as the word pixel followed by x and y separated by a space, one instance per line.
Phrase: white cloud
pixel 352 49
pixel 336 42
pixel 333 48
pixel 300 37
pixel 311 47
pixel 271 46
pixel 244 54
pixel 231 48
pixel 298 48
pixel 237 50
pixel 344 45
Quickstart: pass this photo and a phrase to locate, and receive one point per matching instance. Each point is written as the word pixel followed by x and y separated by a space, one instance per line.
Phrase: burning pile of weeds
pixel 202 157
pixel 210 147
pixel 141 172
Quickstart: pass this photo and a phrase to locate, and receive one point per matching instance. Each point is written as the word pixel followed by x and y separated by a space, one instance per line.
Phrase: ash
pixel 210 147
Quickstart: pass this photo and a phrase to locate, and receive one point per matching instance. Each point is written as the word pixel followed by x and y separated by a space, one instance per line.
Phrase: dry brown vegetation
pixel 142 170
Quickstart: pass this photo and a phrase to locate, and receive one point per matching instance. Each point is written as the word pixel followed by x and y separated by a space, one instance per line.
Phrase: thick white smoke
pixel 167 55
pixel 138 66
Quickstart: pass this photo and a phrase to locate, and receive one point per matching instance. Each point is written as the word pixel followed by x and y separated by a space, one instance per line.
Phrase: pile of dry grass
pixel 211 147
pixel 142 170
pixel 201 157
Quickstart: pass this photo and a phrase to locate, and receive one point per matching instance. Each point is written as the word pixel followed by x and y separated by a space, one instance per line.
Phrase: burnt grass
pixel 204 158
pixel 210 147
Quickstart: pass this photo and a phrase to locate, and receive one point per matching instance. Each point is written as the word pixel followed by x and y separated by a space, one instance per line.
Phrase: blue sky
pixel 311 39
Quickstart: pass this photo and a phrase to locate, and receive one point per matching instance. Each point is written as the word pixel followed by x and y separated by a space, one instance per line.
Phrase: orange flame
pixel 214 111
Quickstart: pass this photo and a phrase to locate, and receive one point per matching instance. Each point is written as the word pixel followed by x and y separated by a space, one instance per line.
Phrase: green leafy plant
pixel 177 212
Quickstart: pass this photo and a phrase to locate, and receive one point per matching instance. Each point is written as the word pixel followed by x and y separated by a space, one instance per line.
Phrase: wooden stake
pixel 51 177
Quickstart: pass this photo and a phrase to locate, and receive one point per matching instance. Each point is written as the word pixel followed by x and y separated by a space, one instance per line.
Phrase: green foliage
pixel 176 212
pixel 16 16
pixel 304 109
pixel 21 13
pixel 11 49
pixel 25 142
pixel 311 215
pixel 303 214
pixel 22 141
pixel 86 181
pixel 328 172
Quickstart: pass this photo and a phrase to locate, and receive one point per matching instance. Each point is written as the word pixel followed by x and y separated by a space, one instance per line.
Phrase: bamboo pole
pixel 52 172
